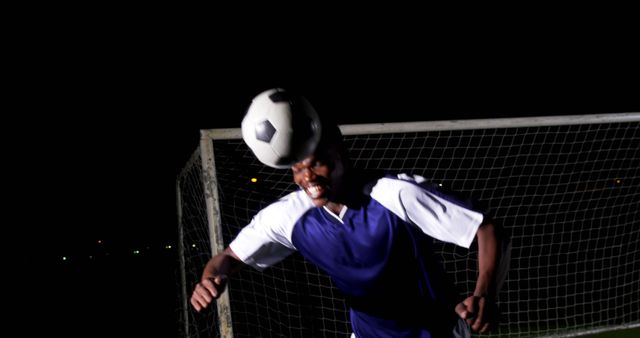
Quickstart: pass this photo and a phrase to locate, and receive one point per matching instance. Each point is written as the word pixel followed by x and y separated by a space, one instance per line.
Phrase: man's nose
pixel 309 174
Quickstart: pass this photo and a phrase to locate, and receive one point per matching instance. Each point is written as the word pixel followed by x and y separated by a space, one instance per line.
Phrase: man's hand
pixel 479 312
pixel 207 290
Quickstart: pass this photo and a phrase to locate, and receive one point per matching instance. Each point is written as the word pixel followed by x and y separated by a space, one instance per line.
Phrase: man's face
pixel 318 175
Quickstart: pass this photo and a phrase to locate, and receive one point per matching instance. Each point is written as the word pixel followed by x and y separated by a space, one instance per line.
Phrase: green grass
pixel 623 333
pixel 629 333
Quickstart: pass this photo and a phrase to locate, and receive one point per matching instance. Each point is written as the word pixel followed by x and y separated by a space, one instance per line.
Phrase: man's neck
pixel 335 208
pixel 355 191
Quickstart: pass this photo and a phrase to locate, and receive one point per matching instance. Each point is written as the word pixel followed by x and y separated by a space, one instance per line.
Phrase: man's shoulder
pixel 399 180
pixel 282 214
pixel 389 186
pixel 414 185
pixel 417 179
pixel 295 202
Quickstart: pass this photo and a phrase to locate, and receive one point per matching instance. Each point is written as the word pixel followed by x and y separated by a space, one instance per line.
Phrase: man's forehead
pixel 304 162
pixel 318 155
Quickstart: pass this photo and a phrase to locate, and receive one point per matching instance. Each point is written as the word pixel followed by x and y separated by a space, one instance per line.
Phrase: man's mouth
pixel 315 190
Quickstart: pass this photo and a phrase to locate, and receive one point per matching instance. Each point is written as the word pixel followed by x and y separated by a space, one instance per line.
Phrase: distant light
pixel 193 245
pixel 99 241
pixel 254 180
pixel 135 252
pixel 64 258
pixel 440 184
pixel 167 246
pixel 618 181
pixel 90 257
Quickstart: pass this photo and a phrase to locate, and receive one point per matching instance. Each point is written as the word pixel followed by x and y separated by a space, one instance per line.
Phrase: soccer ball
pixel 281 128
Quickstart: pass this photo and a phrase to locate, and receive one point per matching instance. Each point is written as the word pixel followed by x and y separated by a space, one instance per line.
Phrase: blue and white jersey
pixel 379 255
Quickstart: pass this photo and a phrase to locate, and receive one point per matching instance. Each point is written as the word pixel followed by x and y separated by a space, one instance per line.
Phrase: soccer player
pixel 371 234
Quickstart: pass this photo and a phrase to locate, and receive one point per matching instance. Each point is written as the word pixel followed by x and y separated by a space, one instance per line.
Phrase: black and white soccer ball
pixel 281 128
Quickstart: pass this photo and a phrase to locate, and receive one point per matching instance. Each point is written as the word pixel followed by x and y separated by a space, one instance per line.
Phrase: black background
pixel 107 109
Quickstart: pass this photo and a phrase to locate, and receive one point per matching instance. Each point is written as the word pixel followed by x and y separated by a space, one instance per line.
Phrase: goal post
pixel 567 189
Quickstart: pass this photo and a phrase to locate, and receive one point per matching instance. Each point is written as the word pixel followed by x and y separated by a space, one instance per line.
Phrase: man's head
pixel 322 174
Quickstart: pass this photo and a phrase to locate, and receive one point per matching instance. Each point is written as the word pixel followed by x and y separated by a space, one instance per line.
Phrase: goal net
pixel 566 188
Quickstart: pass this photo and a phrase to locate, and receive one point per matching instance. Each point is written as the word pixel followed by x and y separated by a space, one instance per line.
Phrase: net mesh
pixel 567 194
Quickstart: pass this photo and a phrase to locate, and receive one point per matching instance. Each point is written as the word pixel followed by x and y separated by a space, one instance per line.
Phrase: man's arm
pixel 214 278
pixel 479 310
pixel 487 260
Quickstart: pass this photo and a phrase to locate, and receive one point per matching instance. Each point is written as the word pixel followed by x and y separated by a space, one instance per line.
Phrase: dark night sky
pixel 119 113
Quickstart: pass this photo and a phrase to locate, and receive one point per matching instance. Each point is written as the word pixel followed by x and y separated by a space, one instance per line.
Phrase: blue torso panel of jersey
pixel 380 253
pixel 384 266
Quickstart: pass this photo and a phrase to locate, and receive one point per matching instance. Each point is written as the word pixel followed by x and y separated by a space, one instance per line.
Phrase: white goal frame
pixel 211 189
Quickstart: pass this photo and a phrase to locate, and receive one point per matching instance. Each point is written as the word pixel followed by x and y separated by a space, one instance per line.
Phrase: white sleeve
pixel 434 213
pixel 266 240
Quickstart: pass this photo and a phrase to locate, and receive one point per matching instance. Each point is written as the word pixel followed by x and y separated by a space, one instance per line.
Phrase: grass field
pixel 623 333
pixel 630 333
